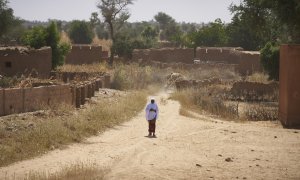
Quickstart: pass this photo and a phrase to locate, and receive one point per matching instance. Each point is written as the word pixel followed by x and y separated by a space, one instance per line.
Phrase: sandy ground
pixel 186 148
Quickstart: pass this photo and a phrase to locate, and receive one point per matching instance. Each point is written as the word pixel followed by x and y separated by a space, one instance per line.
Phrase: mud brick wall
pixel 255 91
pixel 84 54
pixel 193 66
pixel 17 60
pixel 36 98
pixel 247 62
pixel 14 101
pixel 19 100
pixel 289 90
pixel 2 103
pixel 164 55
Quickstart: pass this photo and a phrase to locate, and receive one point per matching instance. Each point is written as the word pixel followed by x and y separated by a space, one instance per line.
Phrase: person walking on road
pixel 151 117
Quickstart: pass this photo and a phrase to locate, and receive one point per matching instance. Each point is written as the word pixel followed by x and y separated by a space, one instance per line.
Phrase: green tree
pixel 214 34
pixel 270 60
pixel 36 37
pixel 169 30
pixel 149 34
pixel 6 17
pixel 287 12
pixel 40 36
pixel 114 12
pixel 164 20
pixel 251 26
pixel 94 20
pixel 80 32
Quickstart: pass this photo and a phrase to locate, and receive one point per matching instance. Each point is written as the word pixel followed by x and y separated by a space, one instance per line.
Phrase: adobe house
pixel 289 85
pixel 19 60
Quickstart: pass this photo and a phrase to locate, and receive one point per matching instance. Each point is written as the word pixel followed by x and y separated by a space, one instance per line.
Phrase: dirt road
pixel 186 148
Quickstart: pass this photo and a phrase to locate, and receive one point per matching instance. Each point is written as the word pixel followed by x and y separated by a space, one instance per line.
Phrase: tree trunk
pixel 112 52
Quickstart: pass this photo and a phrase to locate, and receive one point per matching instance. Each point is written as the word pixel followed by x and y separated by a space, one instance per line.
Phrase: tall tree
pixel 81 32
pixel 114 11
pixel 213 34
pixel 287 13
pixel 164 20
pixel 251 25
pixel 6 17
pixel 94 19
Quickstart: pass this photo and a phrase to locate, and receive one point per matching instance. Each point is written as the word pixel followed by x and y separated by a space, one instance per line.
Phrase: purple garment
pixel 150 115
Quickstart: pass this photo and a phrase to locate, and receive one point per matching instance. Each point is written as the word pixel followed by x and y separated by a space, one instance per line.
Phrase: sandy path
pixel 185 149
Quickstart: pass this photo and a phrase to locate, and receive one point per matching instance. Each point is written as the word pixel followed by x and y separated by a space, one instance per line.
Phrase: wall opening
pixel 8 64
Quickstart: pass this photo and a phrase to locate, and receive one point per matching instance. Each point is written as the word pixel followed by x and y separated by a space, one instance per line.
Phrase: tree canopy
pixel 115 13
pixel 81 32
pixel 6 17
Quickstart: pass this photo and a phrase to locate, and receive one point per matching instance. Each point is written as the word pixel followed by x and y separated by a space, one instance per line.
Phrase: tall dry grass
pixel 258 77
pixel 261 112
pixel 77 171
pixel 89 68
pixel 208 99
pixel 64 38
pixel 105 43
pixel 226 74
pixel 133 76
pixel 37 134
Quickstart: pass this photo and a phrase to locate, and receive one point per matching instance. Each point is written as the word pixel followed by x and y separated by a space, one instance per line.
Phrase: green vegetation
pixel 6 17
pixel 214 34
pixel 115 15
pixel 270 60
pixel 80 32
pixel 40 36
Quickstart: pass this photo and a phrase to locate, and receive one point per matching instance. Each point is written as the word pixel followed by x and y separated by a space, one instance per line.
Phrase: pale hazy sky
pixel 142 10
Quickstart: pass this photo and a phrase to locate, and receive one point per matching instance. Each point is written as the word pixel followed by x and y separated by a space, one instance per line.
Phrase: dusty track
pixel 186 148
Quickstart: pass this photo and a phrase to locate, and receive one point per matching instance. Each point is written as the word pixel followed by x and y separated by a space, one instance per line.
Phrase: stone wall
pixel 84 54
pixel 247 62
pixel 289 92
pixel 20 60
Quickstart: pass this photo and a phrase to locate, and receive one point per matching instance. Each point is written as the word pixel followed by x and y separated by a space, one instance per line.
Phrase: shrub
pixel 270 60
pixel 35 37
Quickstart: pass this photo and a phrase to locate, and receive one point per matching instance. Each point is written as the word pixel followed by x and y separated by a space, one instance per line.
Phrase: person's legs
pixel 153 122
pixel 149 128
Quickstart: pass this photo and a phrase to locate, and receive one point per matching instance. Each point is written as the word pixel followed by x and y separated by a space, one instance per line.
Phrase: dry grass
pixel 261 112
pixel 258 77
pixel 106 44
pixel 89 68
pixel 208 99
pixel 226 74
pixel 64 38
pixel 22 137
pixel 133 76
pixel 77 171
